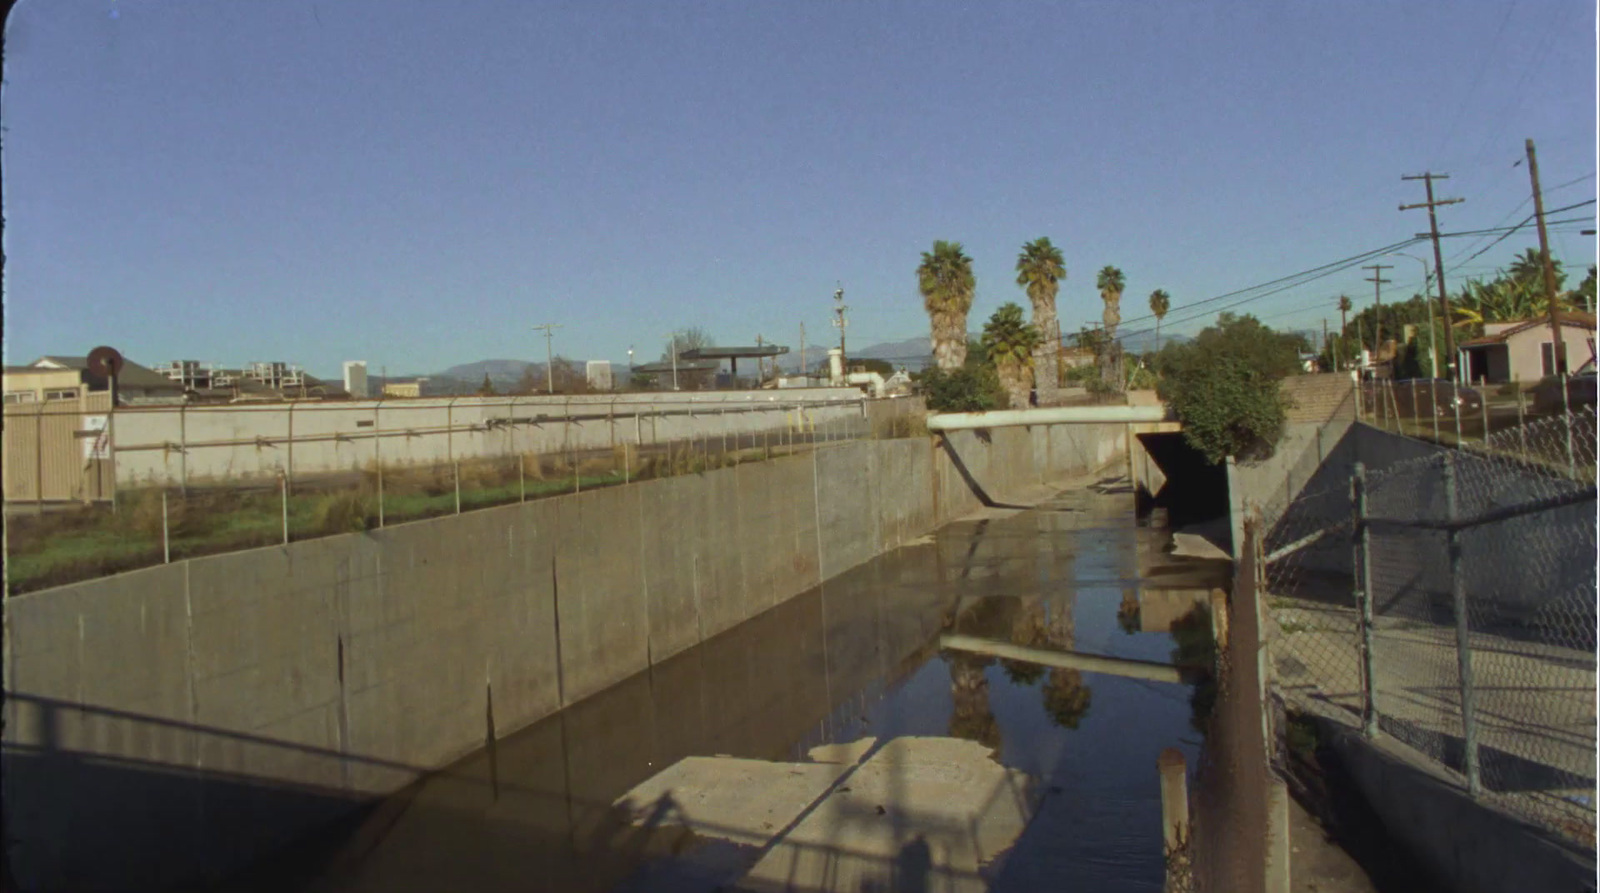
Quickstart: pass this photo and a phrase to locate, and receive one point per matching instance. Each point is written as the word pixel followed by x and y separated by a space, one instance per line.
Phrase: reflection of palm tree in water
pixel 1066 695
pixel 971 717
pixel 1028 629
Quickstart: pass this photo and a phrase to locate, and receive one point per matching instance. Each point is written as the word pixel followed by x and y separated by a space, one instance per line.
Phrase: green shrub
pixel 972 388
pixel 1226 387
pixel 345 511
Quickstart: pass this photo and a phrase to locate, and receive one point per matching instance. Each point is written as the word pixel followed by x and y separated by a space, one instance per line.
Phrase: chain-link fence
pixel 1449 602
pixel 1500 414
pixel 178 483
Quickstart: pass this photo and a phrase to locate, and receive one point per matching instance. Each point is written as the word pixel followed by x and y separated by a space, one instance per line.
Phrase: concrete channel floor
pixel 1317 864
pixel 553 818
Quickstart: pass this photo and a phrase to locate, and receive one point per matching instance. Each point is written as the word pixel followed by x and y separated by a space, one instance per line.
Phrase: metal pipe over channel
pixel 1055 415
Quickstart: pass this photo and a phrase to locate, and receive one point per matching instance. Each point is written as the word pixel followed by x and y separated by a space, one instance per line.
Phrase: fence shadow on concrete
pixel 466 826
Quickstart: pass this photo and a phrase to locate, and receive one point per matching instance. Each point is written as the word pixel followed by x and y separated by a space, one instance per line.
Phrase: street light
pixel 1433 348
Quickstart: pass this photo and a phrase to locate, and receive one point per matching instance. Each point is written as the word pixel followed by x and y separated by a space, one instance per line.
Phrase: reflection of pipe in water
pixel 1093 663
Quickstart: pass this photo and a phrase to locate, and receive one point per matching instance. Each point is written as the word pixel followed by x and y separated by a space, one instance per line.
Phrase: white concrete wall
pixel 194 445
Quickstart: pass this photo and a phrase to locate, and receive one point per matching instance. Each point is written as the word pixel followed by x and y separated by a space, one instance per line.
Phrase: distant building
pixel 355 379
pixel 598 374
pixel 30 384
pixel 402 389
pixel 1522 349
pixel 136 385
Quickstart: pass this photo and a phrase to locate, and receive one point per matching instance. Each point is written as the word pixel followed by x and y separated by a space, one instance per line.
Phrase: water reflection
pixel 855 657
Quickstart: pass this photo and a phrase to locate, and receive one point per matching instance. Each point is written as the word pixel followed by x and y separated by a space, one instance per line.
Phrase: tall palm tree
pixel 1111 282
pixel 1160 303
pixel 1528 270
pixel 1009 343
pixel 945 279
pixel 1344 323
pixel 1040 269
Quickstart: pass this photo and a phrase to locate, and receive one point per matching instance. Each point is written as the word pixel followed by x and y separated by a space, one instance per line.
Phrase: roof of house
pixel 133 375
pixel 1576 320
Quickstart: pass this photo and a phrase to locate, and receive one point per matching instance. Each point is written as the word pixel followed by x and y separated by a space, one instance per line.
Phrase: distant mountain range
pixel 913 354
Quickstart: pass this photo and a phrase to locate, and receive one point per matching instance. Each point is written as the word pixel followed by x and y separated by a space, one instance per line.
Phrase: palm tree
pixel 1111 282
pixel 1344 322
pixel 947 285
pixel 1160 303
pixel 1009 343
pixel 1528 270
pixel 1040 269
pixel 1504 300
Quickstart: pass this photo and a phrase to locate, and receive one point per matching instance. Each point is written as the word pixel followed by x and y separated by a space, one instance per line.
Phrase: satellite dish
pixel 105 362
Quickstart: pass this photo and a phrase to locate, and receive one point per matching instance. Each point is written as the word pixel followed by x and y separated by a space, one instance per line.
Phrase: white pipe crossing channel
pixel 1055 415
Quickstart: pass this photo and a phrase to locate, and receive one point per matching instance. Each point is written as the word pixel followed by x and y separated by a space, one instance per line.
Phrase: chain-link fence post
pixel 166 542
pixel 1522 431
pixel 1363 564
pixel 1458 598
pixel 1483 406
pixel 522 477
pixel 377 452
pixel 1566 425
pixel 1455 404
pixel 1415 406
pixel 455 470
pixel 283 499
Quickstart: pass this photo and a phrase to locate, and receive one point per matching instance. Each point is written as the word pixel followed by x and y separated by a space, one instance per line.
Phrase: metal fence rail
pixel 1449 601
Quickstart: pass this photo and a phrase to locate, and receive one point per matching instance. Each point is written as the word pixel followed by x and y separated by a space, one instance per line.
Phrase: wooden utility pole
pixel 805 374
pixel 1438 261
pixel 1325 348
pixel 1344 326
pixel 1377 281
pixel 1558 347
pixel 549 357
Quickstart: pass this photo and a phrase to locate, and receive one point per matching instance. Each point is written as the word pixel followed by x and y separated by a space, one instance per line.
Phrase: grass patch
pixel 81 543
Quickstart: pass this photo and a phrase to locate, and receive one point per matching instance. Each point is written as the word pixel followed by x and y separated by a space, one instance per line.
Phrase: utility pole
pixel 1558 347
pixel 761 364
pixel 805 374
pixel 1438 262
pixel 1377 281
pixel 840 322
pixel 549 357
pixel 1325 348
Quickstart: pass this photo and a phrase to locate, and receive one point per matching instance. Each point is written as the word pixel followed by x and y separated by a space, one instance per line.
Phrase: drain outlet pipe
pixel 1055 415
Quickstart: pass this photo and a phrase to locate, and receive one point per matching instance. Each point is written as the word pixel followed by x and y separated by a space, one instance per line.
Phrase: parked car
pixel 1424 397
pixel 1580 392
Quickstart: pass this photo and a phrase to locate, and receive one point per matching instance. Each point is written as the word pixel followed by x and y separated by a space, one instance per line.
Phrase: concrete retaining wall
pixel 342 668
pixel 196 445
pixel 1465 846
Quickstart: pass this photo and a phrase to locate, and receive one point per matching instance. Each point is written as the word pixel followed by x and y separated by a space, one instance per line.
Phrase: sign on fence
pixel 96 439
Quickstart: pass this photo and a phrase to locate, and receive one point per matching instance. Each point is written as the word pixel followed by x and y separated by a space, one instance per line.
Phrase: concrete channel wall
pixel 195 445
pixel 160 720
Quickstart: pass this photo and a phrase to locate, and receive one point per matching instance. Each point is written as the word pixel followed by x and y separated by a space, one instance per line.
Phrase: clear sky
pixel 416 184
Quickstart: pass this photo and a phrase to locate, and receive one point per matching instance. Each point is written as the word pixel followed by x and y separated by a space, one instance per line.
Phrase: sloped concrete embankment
pixel 168 725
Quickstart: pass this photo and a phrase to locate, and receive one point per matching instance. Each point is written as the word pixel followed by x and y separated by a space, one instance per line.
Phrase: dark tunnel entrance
pixel 1195 490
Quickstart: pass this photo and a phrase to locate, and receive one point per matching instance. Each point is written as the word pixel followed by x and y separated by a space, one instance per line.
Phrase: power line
pixel 1302 277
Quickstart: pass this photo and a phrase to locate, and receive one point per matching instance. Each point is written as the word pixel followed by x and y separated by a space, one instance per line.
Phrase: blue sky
pixel 417 184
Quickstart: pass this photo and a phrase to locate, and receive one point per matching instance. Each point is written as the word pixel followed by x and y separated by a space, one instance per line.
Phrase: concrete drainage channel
pixel 185 719
pixel 829 743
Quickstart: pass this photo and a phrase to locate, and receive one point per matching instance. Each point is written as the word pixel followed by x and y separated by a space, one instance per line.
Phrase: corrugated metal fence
pixel 59 450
